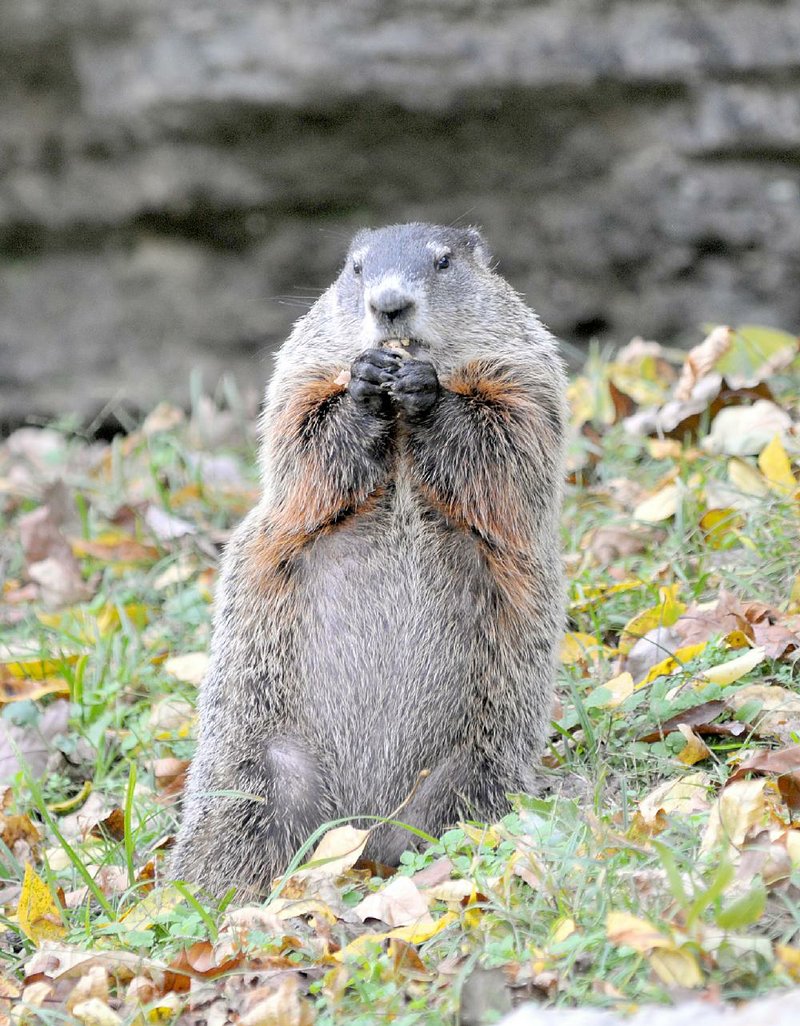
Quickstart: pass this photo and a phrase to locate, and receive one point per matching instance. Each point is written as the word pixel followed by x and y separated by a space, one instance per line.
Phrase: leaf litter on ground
pixel 662 855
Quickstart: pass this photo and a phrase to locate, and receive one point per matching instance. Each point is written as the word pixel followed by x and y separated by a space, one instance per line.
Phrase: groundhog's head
pixel 427 285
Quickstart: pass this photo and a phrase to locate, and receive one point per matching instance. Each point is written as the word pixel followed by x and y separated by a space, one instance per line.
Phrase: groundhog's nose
pixel 390 302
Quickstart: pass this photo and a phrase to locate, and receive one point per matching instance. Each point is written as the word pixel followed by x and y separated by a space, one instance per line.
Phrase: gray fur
pixel 390 647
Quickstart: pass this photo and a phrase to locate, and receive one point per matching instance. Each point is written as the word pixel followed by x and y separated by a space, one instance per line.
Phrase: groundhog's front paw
pixel 371 375
pixel 415 389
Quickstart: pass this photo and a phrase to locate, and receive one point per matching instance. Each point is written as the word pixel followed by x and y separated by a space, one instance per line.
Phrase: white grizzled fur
pixel 389 654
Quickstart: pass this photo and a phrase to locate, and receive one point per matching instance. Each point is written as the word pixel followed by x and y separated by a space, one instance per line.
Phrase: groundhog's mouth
pixel 405 345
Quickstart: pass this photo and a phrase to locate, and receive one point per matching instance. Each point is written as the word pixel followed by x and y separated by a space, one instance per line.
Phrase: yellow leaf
pixel 18 689
pixel 409 934
pixel 619 688
pixel 776 468
pixel 676 967
pixel 33 667
pixel 144 913
pixel 744 476
pixel 663 615
pixel 734 669
pixel 673 663
pixel 565 928
pixel 420 934
pixel 38 914
pixel 589 596
pixel 658 507
pixel 789 959
pixel 794 596
pixel 483 836
pixel 720 526
pixel 74 801
pixel 633 932
pixel 695 749
pixel 577 648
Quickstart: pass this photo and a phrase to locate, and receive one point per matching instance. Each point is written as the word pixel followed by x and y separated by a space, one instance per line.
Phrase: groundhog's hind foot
pixel 245 842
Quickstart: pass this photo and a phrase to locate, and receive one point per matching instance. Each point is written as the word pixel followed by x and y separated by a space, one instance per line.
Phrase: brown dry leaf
pixel 776 761
pixel 338 851
pixel 200 961
pixel 115 547
pixel 436 873
pixel 695 749
pixel 682 796
pixel 727 614
pixel 170 774
pixel 698 717
pixel 95 1012
pixel 738 810
pixel 406 961
pixel 778 639
pixel 283 1007
pixel 78 825
pixel 170 714
pixel 20 689
pixel 94 984
pixel 701 359
pixel 779 716
pixel 609 544
pixel 57 961
pixel 112 825
pixel 398 903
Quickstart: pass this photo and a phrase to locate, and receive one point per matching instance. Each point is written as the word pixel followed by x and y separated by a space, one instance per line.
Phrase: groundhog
pixel 394 601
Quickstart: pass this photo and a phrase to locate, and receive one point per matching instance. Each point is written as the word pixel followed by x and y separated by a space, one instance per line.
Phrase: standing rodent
pixel 394 601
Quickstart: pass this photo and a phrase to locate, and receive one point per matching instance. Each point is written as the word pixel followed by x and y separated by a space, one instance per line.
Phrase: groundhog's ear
pixel 476 243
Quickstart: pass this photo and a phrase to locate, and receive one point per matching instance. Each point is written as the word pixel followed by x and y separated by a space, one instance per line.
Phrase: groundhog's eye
pixel 442 263
pixel 356 267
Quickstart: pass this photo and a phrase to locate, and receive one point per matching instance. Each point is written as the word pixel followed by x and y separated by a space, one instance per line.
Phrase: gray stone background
pixel 177 178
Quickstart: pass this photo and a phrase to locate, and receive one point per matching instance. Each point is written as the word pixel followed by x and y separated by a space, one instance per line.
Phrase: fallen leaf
pixel 775 466
pixel 614 692
pixel 700 718
pixel 695 749
pixel 664 614
pixel 734 669
pixel 771 762
pixel 191 667
pixel 283 1007
pixel 662 505
pixel 338 851
pixel 738 809
pixel 683 796
pixel 397 903
pixel 779 715
pixel 166 526
pixel 746 430
pixel 701 359
pixel 95 1012
pixel 38 914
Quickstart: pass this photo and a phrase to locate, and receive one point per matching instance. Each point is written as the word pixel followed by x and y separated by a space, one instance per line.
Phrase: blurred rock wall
pixel 177 179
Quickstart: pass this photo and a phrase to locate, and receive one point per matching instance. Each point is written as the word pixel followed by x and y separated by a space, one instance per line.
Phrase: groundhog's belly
pixel 388 647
